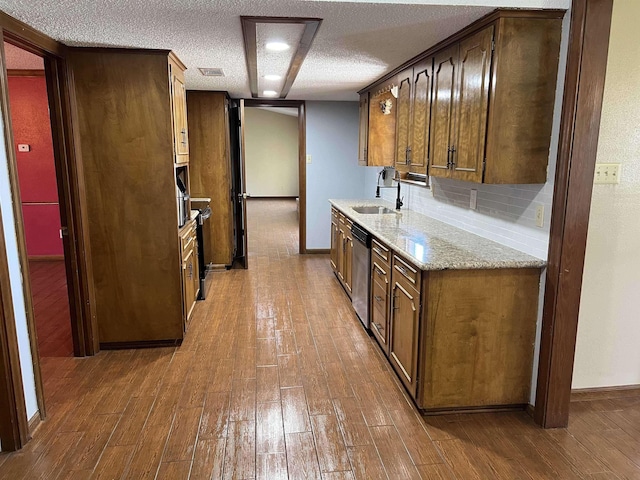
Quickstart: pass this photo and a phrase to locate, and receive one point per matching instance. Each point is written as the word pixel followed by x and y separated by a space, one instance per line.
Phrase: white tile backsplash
pixel 505 213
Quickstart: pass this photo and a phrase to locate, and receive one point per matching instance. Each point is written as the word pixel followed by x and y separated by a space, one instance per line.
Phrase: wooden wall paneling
pixel 524 79
pixel 579 129
pixel 127 152
pixel 210 170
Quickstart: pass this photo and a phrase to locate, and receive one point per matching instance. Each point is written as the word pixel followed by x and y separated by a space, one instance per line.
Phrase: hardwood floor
pixel 51 308
pixel 276 379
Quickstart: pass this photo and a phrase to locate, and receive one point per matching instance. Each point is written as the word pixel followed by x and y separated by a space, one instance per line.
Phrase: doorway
pixel 272 180
pixel 38 185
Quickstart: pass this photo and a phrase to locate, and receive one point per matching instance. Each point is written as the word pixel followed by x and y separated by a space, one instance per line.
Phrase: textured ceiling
pixel 19 59
pixel 357 42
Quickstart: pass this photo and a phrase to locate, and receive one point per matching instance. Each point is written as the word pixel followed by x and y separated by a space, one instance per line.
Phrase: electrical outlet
pixel 23 147
pixel 473 199
pixel 540 216
pixel 308 158
pixel 607 173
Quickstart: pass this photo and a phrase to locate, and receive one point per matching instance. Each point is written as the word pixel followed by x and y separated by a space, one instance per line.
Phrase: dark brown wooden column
pixel 580 125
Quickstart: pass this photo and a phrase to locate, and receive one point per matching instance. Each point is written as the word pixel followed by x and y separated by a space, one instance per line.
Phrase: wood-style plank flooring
pixel 277 379
pixel 51 308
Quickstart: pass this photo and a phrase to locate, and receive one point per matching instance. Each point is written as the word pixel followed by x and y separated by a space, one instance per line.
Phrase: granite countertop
pixel 431 244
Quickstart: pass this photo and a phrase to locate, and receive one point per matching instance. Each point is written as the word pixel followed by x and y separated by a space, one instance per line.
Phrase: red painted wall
pixel 36 168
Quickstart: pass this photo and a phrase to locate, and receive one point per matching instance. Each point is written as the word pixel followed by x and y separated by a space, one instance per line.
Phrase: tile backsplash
pixel 505 213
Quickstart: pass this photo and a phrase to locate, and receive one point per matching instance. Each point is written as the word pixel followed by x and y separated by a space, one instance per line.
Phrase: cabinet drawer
pixel 408 271
pixel 380 297
pixel 380 273
pixel 380 252
pixel 379 329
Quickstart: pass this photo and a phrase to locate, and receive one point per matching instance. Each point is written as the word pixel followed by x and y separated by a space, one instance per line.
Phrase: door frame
pixel 70 182
pixel 579 130
pixel 302 158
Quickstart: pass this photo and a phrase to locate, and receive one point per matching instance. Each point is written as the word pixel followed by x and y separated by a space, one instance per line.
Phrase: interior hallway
pixel 51 308
pixel 277 379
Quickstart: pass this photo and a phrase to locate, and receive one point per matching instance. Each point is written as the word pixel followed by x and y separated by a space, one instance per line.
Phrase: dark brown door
pixel 242 195
pixel 445 71
pixel 405 319
pixel 421 116
pixel 403 141
pixel 467 156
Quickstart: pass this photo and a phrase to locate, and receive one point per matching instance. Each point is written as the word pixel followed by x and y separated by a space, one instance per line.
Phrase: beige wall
pixel 608 345
pixel 271 157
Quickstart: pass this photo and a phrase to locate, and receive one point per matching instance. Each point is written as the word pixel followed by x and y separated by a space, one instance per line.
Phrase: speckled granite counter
pixel 434 245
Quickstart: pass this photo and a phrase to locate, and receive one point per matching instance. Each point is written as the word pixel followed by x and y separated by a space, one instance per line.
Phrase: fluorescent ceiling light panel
pixel 273 77
pixel 277 46
pixel 269 93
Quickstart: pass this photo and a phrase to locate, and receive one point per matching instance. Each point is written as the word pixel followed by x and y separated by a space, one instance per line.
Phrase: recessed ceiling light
pixel 272 77
pixel 269 93
pixel 277 46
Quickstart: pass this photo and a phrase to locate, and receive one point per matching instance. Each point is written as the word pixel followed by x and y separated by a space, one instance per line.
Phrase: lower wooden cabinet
pixel 404 329
pixel 190 271
pixel 342 248
pixel 455 338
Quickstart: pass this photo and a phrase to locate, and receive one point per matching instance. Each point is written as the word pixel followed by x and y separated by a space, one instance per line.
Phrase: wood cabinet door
pixel 363 129
pixel 472 106
pixel 334 243
pixel 196 272
pixel 188 271
pixel 404 330
pixel 180 117
pixel 342 241
pixel 445 72
pixel 420 117
pixel 381 142
pixel 380 305
pixel 348 260
pixel 403 141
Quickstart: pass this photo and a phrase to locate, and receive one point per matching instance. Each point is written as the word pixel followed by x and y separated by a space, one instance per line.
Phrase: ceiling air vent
pixel 211 72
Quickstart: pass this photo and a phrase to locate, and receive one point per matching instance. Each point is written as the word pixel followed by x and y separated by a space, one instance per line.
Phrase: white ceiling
pixel 357 42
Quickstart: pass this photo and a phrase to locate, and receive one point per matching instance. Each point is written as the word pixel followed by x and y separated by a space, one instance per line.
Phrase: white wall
pixel 505 213
pixel 607 350
pixel 271 153
pixel 332 142
pixel 15 277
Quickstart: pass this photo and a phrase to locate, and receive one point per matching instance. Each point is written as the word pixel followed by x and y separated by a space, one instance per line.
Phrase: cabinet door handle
pixel 378 326
pixel 184 136
pixel 378 298
pixel 453 154
pixel 379 252
pixel 448 157
pixel 408 155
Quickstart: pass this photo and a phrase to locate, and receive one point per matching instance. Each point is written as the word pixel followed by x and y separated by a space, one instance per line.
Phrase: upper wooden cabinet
pixel 459 125
pixel 125 139
pixel 364 129
pixel 179 109
pixel 381 144
pixel 479 106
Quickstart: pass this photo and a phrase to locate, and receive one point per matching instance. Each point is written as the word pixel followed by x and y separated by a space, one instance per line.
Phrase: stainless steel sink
pixel 373 210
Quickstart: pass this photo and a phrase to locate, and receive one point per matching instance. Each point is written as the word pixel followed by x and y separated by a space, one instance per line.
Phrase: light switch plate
pixel 23 147
pixel 540 216
pixel 308 158
pixel 607 173
pixel 473 199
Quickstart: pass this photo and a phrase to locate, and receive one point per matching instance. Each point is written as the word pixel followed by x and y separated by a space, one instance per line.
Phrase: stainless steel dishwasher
pixel 361 273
